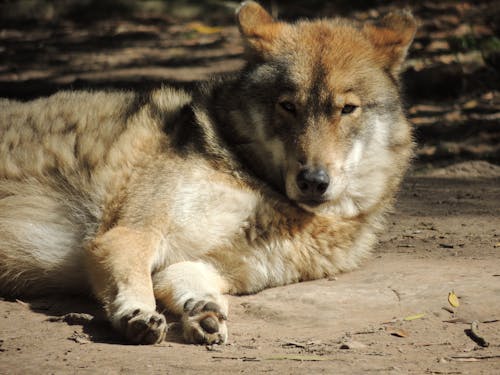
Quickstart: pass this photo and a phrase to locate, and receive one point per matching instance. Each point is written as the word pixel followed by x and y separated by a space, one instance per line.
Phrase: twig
pixel 398 296
pixel 73 318
pixel 244 359
pixel 22 303
pixel 446 246
pixel 298 357
pixel 472 358
pixel 474 334
pixel 294 344
pixel 224 357
pixel 457 320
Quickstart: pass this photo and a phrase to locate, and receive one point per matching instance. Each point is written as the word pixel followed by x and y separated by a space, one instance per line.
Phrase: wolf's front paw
pixel 144 327
pixel 204 323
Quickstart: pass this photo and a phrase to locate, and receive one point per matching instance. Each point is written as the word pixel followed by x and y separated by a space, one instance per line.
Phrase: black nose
pixel 313 182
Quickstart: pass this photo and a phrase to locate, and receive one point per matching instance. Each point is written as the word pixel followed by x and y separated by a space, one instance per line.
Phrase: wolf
pixel 278 173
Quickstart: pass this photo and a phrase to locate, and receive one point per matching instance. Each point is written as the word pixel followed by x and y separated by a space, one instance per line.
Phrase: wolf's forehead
pixel 330 38
pixel 323 80
pixel 329 56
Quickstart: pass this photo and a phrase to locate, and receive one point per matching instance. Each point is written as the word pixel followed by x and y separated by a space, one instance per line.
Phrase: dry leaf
pixel 204 29
pixel 398 332
pixel 471 104
pixel 453 299
pixel 414 317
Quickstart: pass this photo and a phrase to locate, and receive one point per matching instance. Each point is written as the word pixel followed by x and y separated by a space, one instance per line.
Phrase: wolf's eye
pixel 288 106
pixel 348 108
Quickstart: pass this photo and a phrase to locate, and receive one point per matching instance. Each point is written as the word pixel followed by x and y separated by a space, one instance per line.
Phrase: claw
pixel 144 327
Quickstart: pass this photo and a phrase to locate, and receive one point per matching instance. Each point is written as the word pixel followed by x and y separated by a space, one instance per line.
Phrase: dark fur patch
pixel 137 103
pixel 318 102
pixel 183 131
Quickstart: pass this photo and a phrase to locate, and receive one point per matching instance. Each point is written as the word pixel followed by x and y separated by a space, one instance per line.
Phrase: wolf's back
pixel 63 162
pixel 47 206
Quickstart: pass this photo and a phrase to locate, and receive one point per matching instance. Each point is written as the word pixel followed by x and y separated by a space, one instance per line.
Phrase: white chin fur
pixel 307 208
pixel 343 207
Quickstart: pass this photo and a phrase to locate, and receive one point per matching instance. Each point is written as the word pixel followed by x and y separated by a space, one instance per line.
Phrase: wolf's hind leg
pixel 194 290
pixel 119 264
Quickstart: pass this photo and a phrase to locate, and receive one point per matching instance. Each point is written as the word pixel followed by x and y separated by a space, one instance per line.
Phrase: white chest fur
pixel 202 212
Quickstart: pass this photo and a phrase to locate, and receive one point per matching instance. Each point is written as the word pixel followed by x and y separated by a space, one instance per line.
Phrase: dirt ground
pixel 391 316
pixel 444 236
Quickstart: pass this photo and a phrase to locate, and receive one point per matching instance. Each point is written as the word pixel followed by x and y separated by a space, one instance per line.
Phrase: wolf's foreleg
pixel 194 290
pixel 119 265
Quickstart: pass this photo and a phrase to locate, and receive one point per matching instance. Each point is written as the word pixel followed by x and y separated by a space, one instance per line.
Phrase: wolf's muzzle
pixel 313 183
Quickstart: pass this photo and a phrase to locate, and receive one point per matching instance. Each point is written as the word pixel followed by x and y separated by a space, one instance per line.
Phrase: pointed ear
pixel 392 36
pixel 258 28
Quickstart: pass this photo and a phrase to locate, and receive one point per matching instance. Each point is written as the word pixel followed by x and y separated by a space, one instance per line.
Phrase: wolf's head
pixel 319 104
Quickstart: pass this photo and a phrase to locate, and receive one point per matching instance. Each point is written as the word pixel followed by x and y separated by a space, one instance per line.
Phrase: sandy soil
pixel 444 235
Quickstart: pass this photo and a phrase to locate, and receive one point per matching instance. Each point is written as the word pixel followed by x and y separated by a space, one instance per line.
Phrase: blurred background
pixel 451 80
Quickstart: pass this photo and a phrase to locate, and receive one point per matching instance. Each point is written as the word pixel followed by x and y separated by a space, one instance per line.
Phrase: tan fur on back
pixel 176 198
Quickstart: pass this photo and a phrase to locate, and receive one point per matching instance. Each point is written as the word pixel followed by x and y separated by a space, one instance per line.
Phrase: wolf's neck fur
pixel 213 106
pixel 204 125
